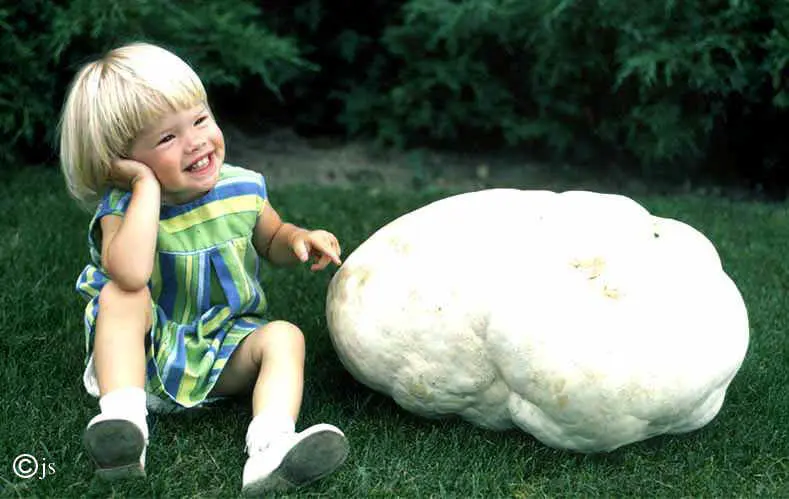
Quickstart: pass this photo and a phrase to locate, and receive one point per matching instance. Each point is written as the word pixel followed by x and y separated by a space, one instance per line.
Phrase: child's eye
pixel 201 120
pixel 165 139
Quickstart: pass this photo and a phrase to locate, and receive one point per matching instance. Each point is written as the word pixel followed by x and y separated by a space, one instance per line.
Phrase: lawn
pixel 743 452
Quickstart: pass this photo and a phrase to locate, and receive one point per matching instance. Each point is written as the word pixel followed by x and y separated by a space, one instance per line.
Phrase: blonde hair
pixel 110 102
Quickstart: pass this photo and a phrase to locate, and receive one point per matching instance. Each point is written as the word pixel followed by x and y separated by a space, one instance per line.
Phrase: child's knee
pixel 117 301
pixel 112 295
pixel 281 337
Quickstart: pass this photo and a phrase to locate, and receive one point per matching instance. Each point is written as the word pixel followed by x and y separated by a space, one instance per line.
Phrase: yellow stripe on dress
pixel 210 211
pixel 219 363
pixel 240 245
pixel 187 384
pixel 189 261
pixel 214 323
pixel 88 284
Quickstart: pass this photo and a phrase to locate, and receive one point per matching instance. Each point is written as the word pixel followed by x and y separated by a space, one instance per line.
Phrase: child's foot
pixel 117 447
pixel 294 460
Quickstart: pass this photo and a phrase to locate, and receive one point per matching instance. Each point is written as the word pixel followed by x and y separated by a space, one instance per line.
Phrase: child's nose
pixel 196 142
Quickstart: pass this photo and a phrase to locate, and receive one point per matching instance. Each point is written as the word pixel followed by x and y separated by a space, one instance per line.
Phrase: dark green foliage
pixel 27 76
pixel 42 43
pixel 648 80
pixel 670 86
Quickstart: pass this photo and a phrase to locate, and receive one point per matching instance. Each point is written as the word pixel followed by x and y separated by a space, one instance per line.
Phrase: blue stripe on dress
pixel 81 280
pixel 176 361
pixel 106 206
pixel 253 302
pixel 210 314
pixel 246 324
pixel 169 291
pixel 226 281
pixel 216 335
pixel 123 203
pixel 237 186
pixel 204 284
pixel 90 285
pixel 226 351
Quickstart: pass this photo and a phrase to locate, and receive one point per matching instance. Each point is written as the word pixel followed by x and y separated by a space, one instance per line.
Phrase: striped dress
pixel 205 288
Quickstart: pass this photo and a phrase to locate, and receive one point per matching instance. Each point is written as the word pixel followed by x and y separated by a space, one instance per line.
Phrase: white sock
pixel 266 426
pixel 128 403
pixel 129 400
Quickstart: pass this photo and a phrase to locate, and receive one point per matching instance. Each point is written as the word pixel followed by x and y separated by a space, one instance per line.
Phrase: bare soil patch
pixel 287 159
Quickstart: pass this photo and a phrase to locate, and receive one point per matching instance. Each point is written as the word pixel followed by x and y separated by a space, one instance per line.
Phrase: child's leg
pixel 119 345
pixel 270 362
pixel 117 437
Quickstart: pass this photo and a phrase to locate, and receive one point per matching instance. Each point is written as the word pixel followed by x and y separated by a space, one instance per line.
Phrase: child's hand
pixel 125 172
pixel 320 244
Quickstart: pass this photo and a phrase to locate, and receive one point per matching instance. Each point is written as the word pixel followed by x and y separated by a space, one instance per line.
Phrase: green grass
pixel 743 452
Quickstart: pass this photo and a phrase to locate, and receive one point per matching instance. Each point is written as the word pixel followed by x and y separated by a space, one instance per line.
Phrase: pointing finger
pixel 327 249
pixel 301 250
pixel 321 263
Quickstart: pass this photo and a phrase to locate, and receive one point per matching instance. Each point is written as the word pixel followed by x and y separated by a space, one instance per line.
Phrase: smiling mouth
pixel 199 165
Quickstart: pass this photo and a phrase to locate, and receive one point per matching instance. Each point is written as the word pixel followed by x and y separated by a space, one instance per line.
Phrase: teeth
pixel 200 164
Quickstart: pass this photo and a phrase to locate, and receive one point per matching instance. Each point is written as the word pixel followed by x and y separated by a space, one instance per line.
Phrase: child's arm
pixel 287 244
pixel 129 242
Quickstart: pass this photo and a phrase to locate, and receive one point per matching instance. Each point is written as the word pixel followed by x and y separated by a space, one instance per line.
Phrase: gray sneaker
pixel 294 460
pixel 117 447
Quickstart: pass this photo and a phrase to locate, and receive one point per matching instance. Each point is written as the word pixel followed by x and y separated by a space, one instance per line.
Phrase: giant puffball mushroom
pixel 577 317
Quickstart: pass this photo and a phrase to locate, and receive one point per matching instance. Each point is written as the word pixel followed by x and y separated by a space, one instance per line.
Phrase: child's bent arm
pixel 272 238
pixel 129 242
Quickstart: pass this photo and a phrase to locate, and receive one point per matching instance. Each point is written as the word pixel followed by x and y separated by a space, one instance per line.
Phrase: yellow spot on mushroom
pixel 563 401
pixel 399 245
pixel 594 266
pixel 361 275
pixel 611 292
pixel 419 391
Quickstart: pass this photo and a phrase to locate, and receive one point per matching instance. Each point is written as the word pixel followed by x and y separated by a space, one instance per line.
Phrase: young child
pixel 175 309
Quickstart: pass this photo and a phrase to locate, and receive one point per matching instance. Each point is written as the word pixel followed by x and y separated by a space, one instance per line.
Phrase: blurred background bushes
pixel 677 89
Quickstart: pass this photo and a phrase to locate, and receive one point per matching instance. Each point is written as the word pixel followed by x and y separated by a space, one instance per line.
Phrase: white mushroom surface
pixel 577 317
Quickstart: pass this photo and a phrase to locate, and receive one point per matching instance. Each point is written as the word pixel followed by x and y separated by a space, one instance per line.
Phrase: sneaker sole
pixel 115 445
pixel 318 454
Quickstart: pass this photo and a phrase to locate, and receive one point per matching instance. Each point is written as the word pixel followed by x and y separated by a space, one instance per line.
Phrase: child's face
pixel 185 150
